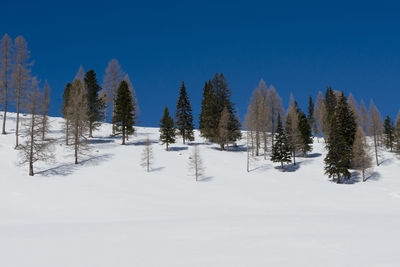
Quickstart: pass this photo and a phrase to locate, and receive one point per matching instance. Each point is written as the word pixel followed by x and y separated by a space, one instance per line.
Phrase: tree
pixel 375 128
pixel 352 102
pixel 340 141
pixel 45 110
pixel 397 133
pixel 147 155
pixel 223 128
pixel 96 104
pixel 34 148
pixel 5 65
pixel 364 117
pixel 361 153
pixel 124 113
pixel 209 116
pixel 112 80
pixel 80 75
pixel 77 114
pixel 167 130
pixel 292 131
pixel 305 133
pixel 195 163
pixel 65 110
pixel 320 114
pixel 311 117
pixel 388 133
pixel 183 116
pixel 21 76
pixel 280 148
pixel 274 104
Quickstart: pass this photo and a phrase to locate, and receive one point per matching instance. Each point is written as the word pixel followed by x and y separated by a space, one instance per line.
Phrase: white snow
pixel 107 211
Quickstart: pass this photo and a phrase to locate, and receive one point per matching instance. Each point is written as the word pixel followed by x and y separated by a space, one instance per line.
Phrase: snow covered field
pixel 107 211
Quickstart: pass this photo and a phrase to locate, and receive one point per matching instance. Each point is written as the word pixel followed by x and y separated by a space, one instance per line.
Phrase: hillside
pixel 107 211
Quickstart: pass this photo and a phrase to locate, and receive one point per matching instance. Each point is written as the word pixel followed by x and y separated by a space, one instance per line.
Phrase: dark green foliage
pixel 209 116
pixel 305 133
pixel 96 105
pixel 167 130
pixel 310 115
pixel 280 149
pixel 184 117
pixel 124 113
pixel 330 101
pixel 340 141
pixel 388 133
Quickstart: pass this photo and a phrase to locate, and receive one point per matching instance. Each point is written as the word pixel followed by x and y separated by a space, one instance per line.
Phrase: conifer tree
pixel 310 115
pixel 21 77
pixel 397 134
pixel 361 153
pixel 5 66
pixel 64 111
pixel 208 122
pixel 305 133
pixel 34 148
pixel 388 133
pixel 124 113
pixel 183 116
pixel 280 148
pixel 96 104
pixel 167 129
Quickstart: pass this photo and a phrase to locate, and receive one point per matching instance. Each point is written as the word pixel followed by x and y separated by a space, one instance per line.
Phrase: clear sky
pixel 298 46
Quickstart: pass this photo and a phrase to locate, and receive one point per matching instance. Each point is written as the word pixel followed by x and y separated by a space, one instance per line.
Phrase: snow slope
pixel 108 211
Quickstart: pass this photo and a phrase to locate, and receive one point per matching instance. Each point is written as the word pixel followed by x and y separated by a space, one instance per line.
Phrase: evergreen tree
pixel 184 117
pixel 330 103
pixel 310 115
pixel 280 148
pixel 124 113
pixel 305 133
pixel 167 130
pixel 388 132
pixel 397 134
pixel 96 104
pixel 208 122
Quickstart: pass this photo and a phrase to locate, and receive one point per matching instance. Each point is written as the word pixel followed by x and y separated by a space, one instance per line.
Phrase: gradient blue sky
pixel 298 46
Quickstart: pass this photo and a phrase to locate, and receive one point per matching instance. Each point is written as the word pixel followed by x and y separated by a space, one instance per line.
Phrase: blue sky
pixel 298 46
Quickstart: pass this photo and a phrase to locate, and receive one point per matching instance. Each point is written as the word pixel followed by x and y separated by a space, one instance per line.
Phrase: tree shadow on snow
pixel 157 169
pixel 289 167
pixel 100 141
pixel 179 148
pixel 142 143
pixel 314 155
pixel 70 168
pixel 240 148
pixel 205 179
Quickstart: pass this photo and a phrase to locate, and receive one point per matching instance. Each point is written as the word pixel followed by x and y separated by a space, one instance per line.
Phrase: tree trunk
pixel 363 174
pixel 90 130
pixel 5 107
pixel 294 158
pixel 66 132
pixel 376 150
pixel 17 122
pixel 76 142
pixel 338 178
pixel 31 146
pixel 167 146
pixel 123 134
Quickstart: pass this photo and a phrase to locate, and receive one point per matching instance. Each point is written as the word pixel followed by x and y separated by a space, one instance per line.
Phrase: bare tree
pixel 320 115
pixel 80 75
pixel 364 117
pixel 45 109
pixel 134 97
pixel 21 76
pixel 361 152
pixel 196 164
pixel 375 128
pixel 5 63
pixel 223 129
pixel 292 131
pixel 147 155
pixel 78 118
pixel 112 79
pixel 352 102
pixel 274 104
pixel 34 148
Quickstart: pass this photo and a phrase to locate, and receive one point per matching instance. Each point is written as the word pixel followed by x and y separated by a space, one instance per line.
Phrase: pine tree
pixel 280 148
pixel 34 148
pixel 64 111
pixel 167 130
pixel 21 77
pixel 96 104
pixel 397 134
pixel 388 133
pixel 147 155
pixel 310 115
pixel 124 113
pixel 361 153
pixel 5 66
pixel 305 133
pixel 183 116
pixel 209 116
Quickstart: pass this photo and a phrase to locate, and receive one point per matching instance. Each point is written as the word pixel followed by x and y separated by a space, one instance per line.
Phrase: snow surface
pixel 107 211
